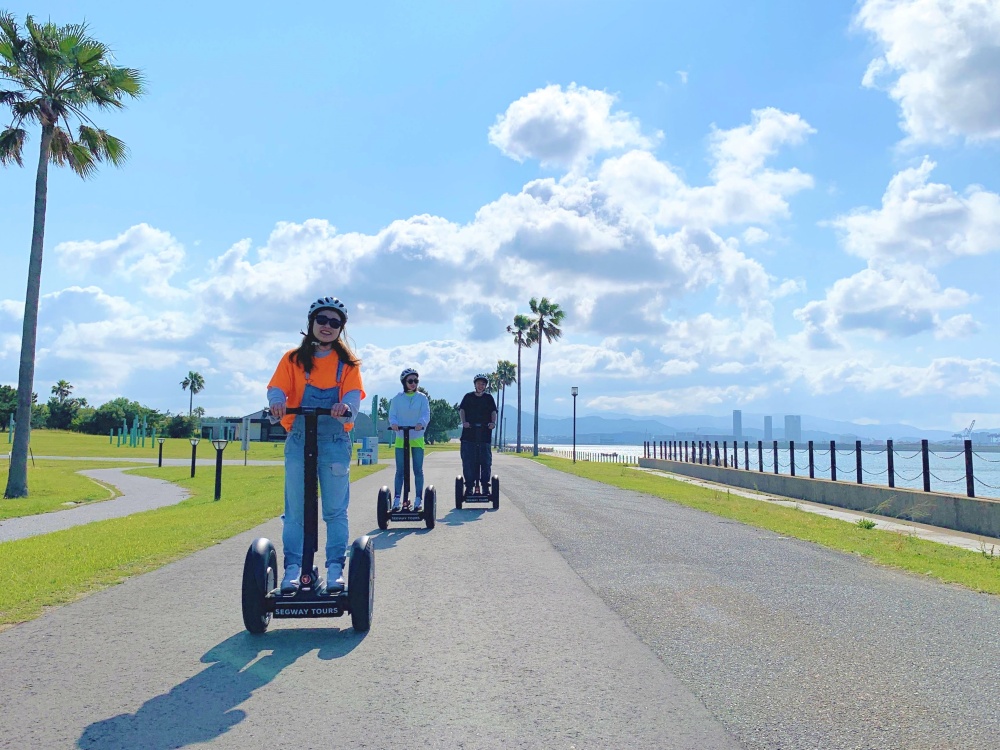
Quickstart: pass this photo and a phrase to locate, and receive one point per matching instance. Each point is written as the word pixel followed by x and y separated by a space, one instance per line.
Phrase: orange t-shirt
pixel 291 379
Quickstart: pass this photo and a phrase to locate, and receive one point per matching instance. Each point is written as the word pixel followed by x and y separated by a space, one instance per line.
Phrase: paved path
pixel 483 637
pixel 138 494
pixel 576 616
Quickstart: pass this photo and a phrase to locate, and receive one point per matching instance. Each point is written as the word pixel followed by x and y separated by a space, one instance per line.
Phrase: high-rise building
pixel 737 424
pixel 793 427
pixel 767 428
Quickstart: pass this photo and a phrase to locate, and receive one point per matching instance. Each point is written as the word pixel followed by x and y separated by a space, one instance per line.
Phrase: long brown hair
pixel 306 352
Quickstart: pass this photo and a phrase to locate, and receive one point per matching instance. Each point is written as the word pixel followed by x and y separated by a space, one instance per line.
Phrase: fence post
pixel 760 456
pixel 890 463
pixel 701 452
pixel 725 455
pixel 970 482
pixel 791 456
pixel 812 463
pixel 926 460
pixel 774 452
pixel 833 460
pixel 716 452
pixel 746 455
pixel 857 454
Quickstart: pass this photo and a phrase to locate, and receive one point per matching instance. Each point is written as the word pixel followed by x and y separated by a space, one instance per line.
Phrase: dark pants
pixel 477 462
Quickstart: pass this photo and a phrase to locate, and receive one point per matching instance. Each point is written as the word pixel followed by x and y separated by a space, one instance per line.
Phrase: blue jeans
pixel 417 462
pixel 477 462
pixel 333 466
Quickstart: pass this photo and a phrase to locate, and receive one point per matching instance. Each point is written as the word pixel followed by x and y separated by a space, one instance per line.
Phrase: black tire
pixel 382 512
pixel 260 575
pixel 495 491
pixel 430 506
pixel 459 492
pixel 361 583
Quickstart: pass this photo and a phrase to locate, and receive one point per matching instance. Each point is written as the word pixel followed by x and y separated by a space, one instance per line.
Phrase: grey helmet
pixel 406 373
pixel 481 376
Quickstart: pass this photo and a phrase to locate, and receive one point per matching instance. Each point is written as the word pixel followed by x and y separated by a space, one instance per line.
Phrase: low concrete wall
pixel 970 514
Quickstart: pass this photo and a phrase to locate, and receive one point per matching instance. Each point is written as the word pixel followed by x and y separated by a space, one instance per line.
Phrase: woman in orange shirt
pixel 322 372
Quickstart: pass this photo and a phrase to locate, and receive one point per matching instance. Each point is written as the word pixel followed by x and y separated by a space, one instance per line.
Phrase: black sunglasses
pixel 333 321
pixel 412 381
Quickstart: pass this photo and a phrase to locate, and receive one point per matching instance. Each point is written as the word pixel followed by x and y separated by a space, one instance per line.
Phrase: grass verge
pixel 976 571
pixel 56 568
pixel 55 485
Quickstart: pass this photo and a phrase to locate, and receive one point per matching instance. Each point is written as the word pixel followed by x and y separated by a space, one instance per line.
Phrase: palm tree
pixel 546 325
pixel 61 390
pixel 506 375
pixel 521 331
pixel 49 74
pixel 194 383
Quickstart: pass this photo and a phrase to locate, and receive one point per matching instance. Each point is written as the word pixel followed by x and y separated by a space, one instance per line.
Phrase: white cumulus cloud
pixel 940 62
pixel 565 127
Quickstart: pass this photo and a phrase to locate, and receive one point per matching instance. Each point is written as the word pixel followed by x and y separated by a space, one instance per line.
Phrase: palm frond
pixel 81 160
pixel 12 142
pixel 11 97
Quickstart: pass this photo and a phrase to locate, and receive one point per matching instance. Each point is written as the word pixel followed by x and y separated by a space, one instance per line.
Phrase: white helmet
pixel 408 371
pixel 481 376
pixel 328 303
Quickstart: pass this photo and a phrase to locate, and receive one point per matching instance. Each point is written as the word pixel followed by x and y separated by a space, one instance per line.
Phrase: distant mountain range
pixel 628 430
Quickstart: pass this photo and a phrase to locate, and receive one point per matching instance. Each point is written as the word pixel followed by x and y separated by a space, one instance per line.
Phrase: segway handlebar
pixel 319 411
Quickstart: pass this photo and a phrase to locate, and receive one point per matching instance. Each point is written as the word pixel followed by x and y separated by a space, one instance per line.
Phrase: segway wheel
pixel 361 583
pixel 260 575
pixel 459 492
pixel 430 506
pixel 495 492
pixel 382 512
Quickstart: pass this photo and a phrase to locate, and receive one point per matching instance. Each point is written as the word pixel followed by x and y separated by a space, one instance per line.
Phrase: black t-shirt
pixel 478 410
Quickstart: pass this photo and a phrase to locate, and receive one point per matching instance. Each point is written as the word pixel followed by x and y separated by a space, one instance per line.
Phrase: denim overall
pixel 333 465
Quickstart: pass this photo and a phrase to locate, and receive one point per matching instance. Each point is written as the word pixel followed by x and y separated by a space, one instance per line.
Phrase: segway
pixel 384 510
pixel 479 493
pixel 262 595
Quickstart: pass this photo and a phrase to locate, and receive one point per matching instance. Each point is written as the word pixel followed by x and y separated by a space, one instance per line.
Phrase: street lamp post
pixel 160 441
pixel 194 453
pixel 574 390
pixel 220 445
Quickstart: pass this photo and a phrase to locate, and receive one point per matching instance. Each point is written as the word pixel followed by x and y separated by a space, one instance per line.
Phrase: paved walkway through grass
pixel 138 494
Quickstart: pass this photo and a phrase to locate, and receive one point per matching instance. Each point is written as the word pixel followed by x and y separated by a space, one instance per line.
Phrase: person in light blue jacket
pixel 410 409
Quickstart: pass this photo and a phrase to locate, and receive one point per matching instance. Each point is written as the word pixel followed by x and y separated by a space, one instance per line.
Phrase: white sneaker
pixel 291 580
pixel 334 577
pixel 418 506
pixel 397 503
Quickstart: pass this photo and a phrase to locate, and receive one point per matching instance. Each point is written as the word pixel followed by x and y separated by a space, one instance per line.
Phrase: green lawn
pixel 68 564
pixel 979 571
pixel 55 485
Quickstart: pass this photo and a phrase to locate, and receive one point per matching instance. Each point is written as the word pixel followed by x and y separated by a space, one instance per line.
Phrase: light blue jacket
pixel 408 410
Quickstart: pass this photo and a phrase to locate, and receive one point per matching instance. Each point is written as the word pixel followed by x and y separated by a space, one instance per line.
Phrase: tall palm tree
pixel 506 375
pixel 48 75
pixel 493 386
pixel 521 331
pixel 194 383
pixel 548 316
pixel 61 390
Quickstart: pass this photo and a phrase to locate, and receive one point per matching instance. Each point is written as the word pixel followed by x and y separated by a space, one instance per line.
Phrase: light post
pixel 574 390
pixel 194 453
pixel 160 441
pixel 220 445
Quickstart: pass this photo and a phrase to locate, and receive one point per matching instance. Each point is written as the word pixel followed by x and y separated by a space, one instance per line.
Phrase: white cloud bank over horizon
pixel 664 303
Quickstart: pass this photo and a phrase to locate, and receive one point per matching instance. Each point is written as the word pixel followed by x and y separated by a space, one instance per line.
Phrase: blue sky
pixel 782 207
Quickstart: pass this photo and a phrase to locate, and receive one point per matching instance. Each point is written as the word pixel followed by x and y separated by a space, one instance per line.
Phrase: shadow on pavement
pixel 387 538
pixel 457 517
pixel 203 707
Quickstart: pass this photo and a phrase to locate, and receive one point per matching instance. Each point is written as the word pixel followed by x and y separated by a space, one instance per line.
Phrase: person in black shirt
pixel 478 413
